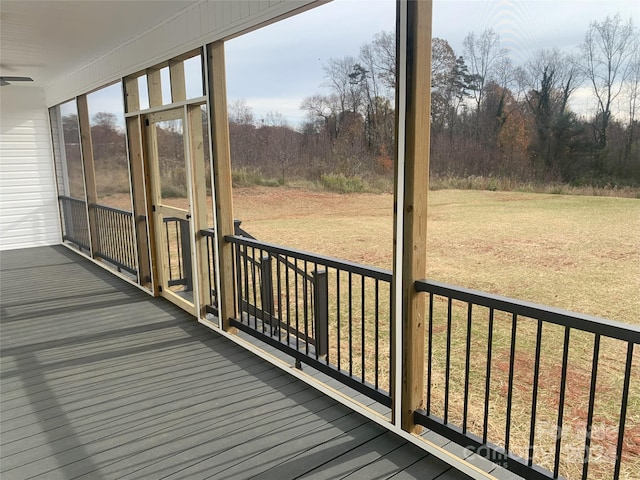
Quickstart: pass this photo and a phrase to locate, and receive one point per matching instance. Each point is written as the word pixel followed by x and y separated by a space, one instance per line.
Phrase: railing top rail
pixel 578 321
pixel 210 232
pixel 240 231
pixel 111 209
pixel 72 199
pixel 353 267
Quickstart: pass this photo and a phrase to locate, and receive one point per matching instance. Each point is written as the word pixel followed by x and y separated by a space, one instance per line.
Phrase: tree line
pixel 489 117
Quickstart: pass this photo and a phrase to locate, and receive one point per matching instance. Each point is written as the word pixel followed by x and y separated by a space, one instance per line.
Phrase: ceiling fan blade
pixel 3 82
pixel 16 79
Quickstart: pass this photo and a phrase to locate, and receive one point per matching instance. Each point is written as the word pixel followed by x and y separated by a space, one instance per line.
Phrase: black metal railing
pixel 330 314
pixel 178 247
pixel 534 389
pixel 209 234
pixel 114 237
pixel 212 305
pixel 75 226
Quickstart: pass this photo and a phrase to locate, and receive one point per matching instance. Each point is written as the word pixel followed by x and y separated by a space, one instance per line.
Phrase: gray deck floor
pixel 101 381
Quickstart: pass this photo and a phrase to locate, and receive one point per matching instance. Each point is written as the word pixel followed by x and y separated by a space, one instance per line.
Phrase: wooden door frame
pixel 157 231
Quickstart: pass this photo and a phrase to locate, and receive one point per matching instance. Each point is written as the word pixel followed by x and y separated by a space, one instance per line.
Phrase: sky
pixel 275 67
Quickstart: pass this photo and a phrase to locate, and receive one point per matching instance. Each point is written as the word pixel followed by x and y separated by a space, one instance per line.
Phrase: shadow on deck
pixel 99 380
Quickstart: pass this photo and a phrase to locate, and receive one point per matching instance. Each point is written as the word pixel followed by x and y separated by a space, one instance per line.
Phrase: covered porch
pixel 161 340
pixel 99 380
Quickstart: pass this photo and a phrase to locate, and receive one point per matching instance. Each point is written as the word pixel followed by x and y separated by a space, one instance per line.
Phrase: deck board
pixel 99 380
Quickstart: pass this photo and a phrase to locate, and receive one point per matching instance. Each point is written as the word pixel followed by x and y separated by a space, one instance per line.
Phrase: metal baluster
pixel 429 353
pixel 592 398
pixel 362 327
pixel 376 333
pixel 487 385
pixel 465 408
pixel 534 399
pixel 623 409
pixel 448 361
pixel 514 326
pixel 563 388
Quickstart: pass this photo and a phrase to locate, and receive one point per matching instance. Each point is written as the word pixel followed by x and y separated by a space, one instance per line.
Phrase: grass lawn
pixel 574 252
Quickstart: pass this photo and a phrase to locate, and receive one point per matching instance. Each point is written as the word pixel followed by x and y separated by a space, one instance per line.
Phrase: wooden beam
pixel 131 94
pixel 415 81
pixel 152 192
pixel 199 205
pixel 141 208
pixel 176 76
pixel 154 86
pixel 221 164
pixel 166 115
pixel 89 169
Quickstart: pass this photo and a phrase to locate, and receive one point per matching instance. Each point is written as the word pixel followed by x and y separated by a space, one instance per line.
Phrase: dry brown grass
pixel 574 252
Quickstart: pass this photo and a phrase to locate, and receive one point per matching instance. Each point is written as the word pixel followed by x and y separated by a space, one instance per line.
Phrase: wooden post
pixel 176 76
pixel 154 87
pixel 149 142
pixel 266 287
pixel 89 171
pixel 199 205
pixel 185 251
pixel 141 213
pixel 321 311
pixel 414 97
pixel 219 130
pixel 131 94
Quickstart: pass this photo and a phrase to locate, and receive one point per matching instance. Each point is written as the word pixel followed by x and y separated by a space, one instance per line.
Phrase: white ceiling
pixel 45 39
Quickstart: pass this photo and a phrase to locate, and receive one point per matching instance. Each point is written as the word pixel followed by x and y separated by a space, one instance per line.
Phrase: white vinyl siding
pixel 28 204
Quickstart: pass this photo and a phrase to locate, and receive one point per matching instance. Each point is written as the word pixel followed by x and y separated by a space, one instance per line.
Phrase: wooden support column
pixel 131 94
pixel 176 76
pixel 219 128
pixel 154 86
pixel 199 206
pixel 413 129
pixel 89 169
pixel 154 89
pixel 141 213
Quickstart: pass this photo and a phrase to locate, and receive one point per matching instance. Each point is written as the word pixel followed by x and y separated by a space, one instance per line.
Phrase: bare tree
pixel 243 141
pixel 322 113
pixel 547 82
pixel 356 114
pixel 280 143
pixel 482 53
pixel 443 67
pixel 240 112
pixel 606 62
pixel 108 141
pixel 632 94
pixel 378 93
pixel 450 84
pixel 106 119
pixel 339 79
pixel 383 49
